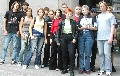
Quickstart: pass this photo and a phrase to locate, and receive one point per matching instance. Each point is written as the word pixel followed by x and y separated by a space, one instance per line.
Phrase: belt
pixel 85 30
pixel 66 33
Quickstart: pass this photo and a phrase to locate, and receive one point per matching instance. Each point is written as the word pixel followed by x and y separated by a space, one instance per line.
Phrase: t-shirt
pixel 104 22
pixel 12 23
pixel 67 27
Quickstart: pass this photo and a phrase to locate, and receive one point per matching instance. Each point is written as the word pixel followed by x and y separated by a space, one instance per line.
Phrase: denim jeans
pixel 7 40
pixel 104 50
pixel 36 45
pixel 85 43
pixel 25 45
pixel 18 47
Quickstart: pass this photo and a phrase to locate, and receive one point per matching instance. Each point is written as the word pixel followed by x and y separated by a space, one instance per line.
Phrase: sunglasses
pixel 109 10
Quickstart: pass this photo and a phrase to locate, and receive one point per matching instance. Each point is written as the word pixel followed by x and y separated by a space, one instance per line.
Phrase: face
pixel 109 10
pixel 29 12
pixel 16 6
pixel 93 14
pixel 40 13
pixel 46 12
pixel 102 7
pixel 64 7
pixel 85 11
pixel 69 15
pixel 51 14
pixel 77 10
pixel 25 7
pixel 57 13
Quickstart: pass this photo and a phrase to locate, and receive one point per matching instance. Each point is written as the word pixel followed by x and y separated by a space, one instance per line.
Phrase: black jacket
pixel 61 27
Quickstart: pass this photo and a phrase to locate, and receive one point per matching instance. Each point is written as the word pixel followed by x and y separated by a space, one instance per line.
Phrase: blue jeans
pixel 36 45
pixel 18 47
pixel 104 50
pixel 85 43
pixel 7 40
pixel 25 45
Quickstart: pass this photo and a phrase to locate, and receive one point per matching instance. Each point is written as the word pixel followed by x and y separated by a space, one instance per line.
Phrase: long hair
pixel 30 10
pixel 59 11
pixel 12 6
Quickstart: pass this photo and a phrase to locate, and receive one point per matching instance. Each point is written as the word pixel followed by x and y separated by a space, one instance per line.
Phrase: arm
pixel 45 29
pixel 30 27
pixel 20 28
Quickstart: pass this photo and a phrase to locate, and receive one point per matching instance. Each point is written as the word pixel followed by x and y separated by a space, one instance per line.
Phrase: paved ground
pixel 13 70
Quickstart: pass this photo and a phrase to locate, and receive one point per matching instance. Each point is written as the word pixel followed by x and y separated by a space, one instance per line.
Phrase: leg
pixel 88 44
pixel 53 58
pixel 6 43
pixel 60 62
pixel 15 41
pixel 81 46
pixel 100 46
pixel 46 52
pixel 107 52
pixel 38 50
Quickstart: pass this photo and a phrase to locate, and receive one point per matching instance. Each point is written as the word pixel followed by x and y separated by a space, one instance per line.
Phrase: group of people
pixel 86 32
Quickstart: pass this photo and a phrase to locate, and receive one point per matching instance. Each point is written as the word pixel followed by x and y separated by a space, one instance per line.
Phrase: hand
pixel 58 44
pixel 85 26
pixel 17 34
pixel 110 41
pixel 115 40
pixel 45 41
pixel 50 41
pixel 74 41
pixel 22 36
pixel 32 37
pixel 5 33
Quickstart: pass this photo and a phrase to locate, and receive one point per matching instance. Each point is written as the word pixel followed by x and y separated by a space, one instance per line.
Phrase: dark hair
pixel 25 3
pixel 46 9
pixel 12 6
pixel 60 12
pixel 64 4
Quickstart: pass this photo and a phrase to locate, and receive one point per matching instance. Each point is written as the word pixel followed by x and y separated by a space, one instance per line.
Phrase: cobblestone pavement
pixel 13 70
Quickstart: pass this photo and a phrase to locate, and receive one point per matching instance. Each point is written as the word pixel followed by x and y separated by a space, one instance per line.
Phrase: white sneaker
pixel 24 67
pixel 36 67
pixel 108 73
pixel 100 72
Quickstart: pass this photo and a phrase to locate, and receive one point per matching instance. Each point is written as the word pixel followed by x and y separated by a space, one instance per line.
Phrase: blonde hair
pixel 110 7
pixel 103 3
pixel 40 9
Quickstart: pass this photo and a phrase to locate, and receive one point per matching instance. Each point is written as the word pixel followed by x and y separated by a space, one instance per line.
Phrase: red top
pixel 54 26
pixel 76 18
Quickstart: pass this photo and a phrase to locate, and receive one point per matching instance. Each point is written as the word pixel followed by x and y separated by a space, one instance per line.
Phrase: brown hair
pixel 64 4
pixel 30 10
pixel 12 6
pixel 51 11
pixel 103 3
pixel 59 11
pixel 77 6
pixel 69 10
pixel 25 3
pixel 110 7
pixel 42 10
pixel 46 9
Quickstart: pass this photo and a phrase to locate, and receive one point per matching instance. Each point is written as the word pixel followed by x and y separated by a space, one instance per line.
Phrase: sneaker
pixel 24 67
pixel 1 62
pixel 36 67
pixel 81 71
pixel 88 72
pixel 108 73
pixel 100 72
pixel 42 66
pixel 19 64
pixel 57 69
pixel 13 62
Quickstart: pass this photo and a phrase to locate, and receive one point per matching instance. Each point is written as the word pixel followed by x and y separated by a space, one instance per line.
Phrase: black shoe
pixel 93 69
pixel 113 69
pixel 1 62
pixel 64 71
pixel 71 73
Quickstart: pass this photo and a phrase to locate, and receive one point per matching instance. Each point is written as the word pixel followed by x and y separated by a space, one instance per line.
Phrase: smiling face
pixel 16 6
pixel 29 12
pixel 51 14
pixel 77 10
pixel 40 12
pixel 85 11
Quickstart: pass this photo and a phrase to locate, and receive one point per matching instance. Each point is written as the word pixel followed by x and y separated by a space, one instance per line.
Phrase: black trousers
pixel 67 45
pixel 53 59
pixel 46 52
pixel 94 52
